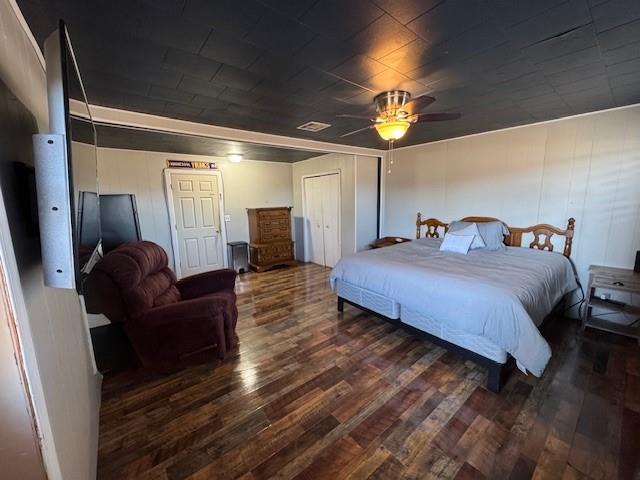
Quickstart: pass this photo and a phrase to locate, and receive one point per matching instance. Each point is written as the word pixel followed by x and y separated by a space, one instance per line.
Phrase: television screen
pixel 88 225
pixel 83 167
pixel 119 220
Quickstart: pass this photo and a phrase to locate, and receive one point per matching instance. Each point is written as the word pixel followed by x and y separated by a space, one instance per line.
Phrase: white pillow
pixel 471 229
pixel 456 243
pixel 492 233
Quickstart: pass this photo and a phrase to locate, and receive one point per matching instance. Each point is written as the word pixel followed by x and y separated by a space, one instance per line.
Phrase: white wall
pixel 247 184
pixel 327 163
pixel 20 64
pixel 65 390
pixel 366 201
pixel 585 167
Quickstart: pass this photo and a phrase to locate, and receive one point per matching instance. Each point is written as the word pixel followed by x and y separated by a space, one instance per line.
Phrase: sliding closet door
pixel 313 218
pixel 330 186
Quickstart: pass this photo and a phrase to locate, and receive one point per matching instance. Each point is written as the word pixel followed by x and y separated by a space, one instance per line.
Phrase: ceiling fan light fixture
pixel 392 130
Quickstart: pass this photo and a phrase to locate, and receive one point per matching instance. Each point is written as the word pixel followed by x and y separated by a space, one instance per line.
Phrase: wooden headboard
pixel 514 239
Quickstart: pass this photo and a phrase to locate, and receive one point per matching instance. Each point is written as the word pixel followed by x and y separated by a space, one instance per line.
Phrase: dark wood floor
pixel 315 394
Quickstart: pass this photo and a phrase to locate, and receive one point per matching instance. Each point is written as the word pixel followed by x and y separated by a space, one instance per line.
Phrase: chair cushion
pixel 141 272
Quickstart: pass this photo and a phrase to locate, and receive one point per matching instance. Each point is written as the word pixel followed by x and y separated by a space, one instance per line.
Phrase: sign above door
pixel 191 164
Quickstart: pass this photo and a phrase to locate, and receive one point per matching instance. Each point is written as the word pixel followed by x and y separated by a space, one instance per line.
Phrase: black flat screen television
pixel 88 225
pixel 119 220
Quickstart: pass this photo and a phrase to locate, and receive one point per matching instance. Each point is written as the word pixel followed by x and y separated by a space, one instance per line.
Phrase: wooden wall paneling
pixel 157 213
pixel 366 197
pixel 406 190
pixel 584 167
pixel 526 151
pixel 600 195
pixel 626 207
pixel 578 186
pixel 554 190
pixel 436 190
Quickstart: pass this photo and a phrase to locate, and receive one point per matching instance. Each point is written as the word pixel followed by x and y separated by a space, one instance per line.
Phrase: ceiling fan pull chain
pixel 390 155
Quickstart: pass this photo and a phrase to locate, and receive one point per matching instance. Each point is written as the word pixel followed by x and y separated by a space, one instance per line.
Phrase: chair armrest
pixel 197 309
pixel 208 282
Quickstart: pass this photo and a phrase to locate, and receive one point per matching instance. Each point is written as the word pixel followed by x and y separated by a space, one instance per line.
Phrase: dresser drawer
pixel 274 252
pixel 275 233
pixel 624 283
pixel 273 214
pixel 276 223
pixel 615 278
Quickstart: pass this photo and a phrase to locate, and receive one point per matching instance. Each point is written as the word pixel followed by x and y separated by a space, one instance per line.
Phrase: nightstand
pixel 600 312
pixel 388 241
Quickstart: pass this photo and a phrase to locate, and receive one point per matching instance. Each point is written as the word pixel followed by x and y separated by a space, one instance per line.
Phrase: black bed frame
pixel 497 372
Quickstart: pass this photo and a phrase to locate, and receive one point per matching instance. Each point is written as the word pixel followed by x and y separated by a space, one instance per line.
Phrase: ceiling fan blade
pixel 418 103
pixel 434 117
pixel 360 117
pixel 359 130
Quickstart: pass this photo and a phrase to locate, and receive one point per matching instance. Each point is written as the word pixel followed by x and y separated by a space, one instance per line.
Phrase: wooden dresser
pixel 270 242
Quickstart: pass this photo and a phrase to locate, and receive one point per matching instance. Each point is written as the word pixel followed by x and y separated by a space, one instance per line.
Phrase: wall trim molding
pixel 218 160
pixel 543 122
pixel 114 116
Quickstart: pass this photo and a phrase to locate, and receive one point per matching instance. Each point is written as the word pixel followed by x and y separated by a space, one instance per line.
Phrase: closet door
pixel 330 188
pixel 313 216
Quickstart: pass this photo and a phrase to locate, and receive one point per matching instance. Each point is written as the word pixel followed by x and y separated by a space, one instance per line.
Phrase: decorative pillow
pixel 456 243
pixel 491 232
pixel 471 229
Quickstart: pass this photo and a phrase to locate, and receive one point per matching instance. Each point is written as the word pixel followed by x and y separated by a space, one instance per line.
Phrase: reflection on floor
pixel 315 394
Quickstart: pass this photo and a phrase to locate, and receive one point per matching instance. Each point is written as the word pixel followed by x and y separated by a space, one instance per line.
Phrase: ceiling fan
pixel 396 111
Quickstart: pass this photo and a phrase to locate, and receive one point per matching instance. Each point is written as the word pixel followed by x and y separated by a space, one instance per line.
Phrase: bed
pixel 486 305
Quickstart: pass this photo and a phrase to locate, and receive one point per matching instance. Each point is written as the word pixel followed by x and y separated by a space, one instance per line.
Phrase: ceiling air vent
pixel 313 126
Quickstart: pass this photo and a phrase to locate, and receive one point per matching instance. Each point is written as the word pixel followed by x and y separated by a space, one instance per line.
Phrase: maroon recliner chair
pixel 168 322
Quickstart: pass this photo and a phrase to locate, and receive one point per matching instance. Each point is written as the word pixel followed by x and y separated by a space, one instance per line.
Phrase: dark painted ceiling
pixel 272 65
pixel 111 136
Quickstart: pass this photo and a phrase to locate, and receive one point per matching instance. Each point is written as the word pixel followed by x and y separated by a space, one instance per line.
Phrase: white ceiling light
pixel 234 157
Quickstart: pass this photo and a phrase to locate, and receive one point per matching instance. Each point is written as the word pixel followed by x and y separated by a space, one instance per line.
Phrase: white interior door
pixel 330 188
pixel 197 213
pixel 313 219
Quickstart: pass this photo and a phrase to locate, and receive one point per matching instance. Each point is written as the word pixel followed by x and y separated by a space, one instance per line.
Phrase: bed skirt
pixel 392 309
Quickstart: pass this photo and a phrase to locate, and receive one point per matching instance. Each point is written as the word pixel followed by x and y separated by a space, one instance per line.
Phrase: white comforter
pixel 501 295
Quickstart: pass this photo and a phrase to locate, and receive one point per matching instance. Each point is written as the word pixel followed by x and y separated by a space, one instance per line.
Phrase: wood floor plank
pixel 313 393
